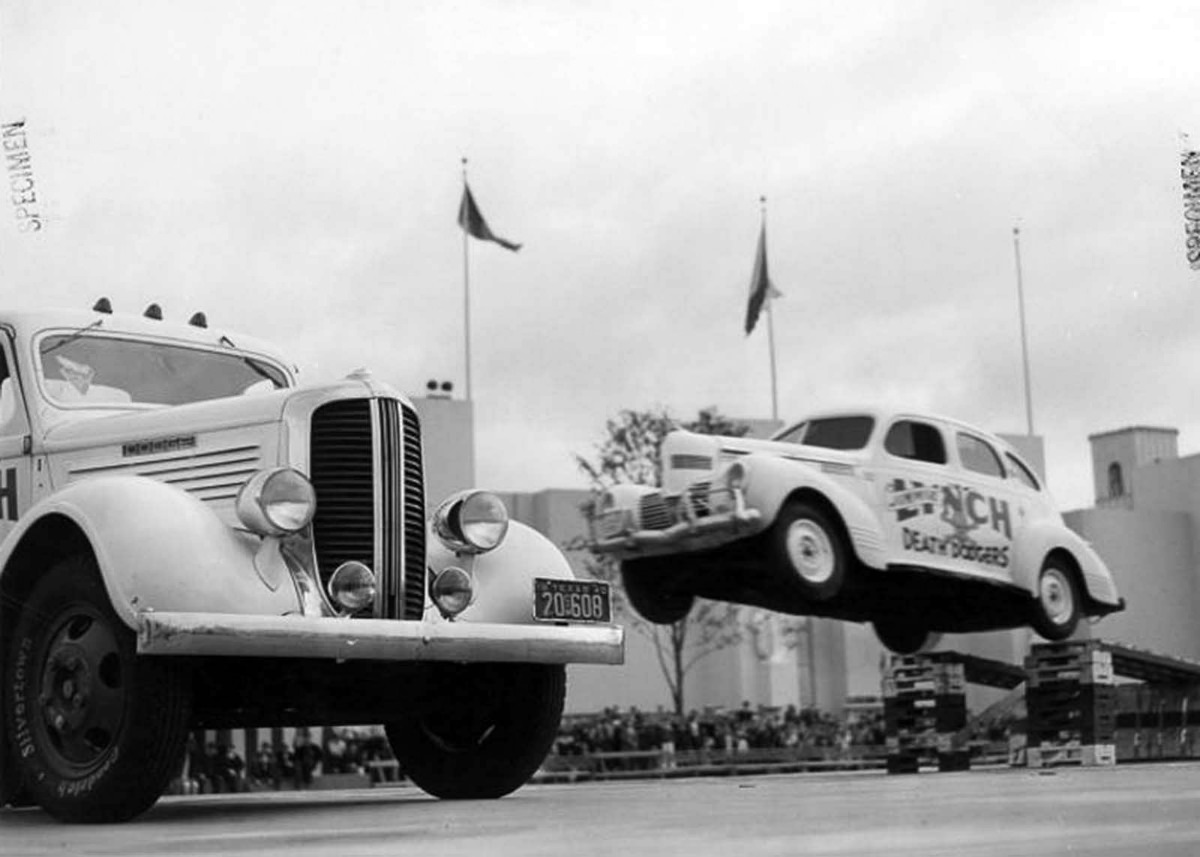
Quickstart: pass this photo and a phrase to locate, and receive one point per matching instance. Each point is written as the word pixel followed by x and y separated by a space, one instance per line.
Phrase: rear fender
pixel 159 548
pixel 1040 540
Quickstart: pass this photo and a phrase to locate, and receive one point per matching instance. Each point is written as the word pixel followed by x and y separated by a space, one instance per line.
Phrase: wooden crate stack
pixel 1071 701
pixel 925 712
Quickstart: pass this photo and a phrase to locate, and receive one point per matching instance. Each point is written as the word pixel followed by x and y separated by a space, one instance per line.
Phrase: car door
pixel 15 463
pixel 914 467
pixel 980 508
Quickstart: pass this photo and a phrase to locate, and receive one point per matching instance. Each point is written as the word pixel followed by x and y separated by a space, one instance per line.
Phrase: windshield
pixel 831 432
pixel 85 369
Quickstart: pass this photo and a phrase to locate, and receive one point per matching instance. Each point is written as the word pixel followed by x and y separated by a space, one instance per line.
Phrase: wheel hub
pixel 1056 598
pixel 810 551
pixel 81 699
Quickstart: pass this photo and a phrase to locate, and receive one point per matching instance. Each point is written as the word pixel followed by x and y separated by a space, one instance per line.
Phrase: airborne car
pixel 917 524
pixel 188 539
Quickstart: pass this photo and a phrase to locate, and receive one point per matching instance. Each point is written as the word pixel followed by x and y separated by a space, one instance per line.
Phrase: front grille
pixel 653 512
pixel 697 496
pixel 365 464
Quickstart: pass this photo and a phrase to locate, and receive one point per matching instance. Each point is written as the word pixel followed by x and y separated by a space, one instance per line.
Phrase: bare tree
pixel 631 452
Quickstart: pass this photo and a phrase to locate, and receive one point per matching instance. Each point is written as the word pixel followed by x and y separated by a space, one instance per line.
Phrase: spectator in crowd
pixel 227 768
pixel 308 758
pixel 335 754
pixel 262 767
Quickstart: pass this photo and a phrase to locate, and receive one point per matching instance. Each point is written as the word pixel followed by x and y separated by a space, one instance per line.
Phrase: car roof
pixel 883 414
pixel 29 323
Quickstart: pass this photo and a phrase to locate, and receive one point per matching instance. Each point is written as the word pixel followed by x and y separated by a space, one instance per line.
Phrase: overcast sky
pixel 293 169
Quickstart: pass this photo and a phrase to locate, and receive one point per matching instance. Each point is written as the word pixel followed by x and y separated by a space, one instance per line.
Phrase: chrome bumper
pixel 221 634
pixel 694 534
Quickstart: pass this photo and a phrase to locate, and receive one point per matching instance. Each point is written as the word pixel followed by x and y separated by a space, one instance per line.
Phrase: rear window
pixel 831 432
pixel 1017 469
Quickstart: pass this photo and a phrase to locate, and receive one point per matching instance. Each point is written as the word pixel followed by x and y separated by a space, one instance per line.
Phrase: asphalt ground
pixel 1150 809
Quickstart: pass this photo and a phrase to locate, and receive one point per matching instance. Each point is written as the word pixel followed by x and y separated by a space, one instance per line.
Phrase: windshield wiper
pixel 73 337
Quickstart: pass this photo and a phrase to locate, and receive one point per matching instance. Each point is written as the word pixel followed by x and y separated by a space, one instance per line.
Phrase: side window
pixel 916 441
pixel 978 455
pixel 1021 473
pixel 8 399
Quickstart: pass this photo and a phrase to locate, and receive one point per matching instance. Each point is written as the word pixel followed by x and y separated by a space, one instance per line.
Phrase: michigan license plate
pixel 571 600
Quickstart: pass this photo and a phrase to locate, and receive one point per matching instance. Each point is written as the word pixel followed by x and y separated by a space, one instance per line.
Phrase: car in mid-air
pixel 917 524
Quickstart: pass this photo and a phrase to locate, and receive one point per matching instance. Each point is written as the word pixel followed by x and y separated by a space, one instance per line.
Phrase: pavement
pixel 1148 809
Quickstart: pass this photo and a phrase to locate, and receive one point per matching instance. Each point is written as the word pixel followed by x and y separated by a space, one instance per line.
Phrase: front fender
pixel 771 482
pixel 504 576
pixel 159 548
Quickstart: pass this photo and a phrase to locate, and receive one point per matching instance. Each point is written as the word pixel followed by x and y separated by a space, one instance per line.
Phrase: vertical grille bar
pixel 414 517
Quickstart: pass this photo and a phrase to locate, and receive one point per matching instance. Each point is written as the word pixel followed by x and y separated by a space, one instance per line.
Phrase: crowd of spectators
pixel 214 768
pixel 746 728
pixel 365 751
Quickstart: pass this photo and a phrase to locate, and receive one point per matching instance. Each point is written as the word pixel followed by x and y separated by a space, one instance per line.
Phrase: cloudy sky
pixel 294 169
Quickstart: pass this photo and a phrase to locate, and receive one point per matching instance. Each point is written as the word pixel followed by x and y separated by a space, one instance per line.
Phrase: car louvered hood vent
pixel 211 474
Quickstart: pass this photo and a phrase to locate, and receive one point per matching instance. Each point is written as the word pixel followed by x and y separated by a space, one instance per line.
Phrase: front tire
pixel 808 551
pixel 642 581
pixel 1056 607
pixel 484 730
pixel 97 731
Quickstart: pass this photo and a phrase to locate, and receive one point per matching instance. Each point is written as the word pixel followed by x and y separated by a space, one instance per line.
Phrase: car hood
pixel 688 457
pixel 89 428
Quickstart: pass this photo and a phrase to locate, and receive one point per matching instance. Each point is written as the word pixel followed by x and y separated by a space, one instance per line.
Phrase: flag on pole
pixel 761 288
pixel 473 223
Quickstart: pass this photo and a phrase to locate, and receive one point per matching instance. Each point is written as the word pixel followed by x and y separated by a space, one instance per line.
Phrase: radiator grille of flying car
pixel 653 512
pixel 365 464
pixel 697 496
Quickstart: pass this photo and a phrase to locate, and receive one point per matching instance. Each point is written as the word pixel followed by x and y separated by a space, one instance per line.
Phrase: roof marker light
pixel 198 320
pixel 153 311
pixel 103 305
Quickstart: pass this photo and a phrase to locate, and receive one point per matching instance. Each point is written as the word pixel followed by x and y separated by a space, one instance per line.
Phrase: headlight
pixel 352 586
pixel 275 502
pixel 452 590
pixel 471 522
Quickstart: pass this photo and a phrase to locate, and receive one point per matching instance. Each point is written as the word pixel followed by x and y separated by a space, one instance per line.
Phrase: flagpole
pixel 466 294
pixel 770 326
pixel 1024 339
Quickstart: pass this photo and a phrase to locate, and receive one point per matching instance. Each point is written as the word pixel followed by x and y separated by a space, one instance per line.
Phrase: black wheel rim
pixel 81 692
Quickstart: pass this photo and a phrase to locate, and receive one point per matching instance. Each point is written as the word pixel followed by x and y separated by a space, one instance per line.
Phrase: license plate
pixel 571 600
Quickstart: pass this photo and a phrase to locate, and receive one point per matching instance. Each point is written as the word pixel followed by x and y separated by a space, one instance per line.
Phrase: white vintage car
pixel 917 524
pixel 190 540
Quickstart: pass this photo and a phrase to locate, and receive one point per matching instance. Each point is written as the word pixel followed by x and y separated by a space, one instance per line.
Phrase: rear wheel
pixel 808 551
pixel 484 729
pixel 654 600
pixel 904 636
pixel 1056 605
pixel 97 731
